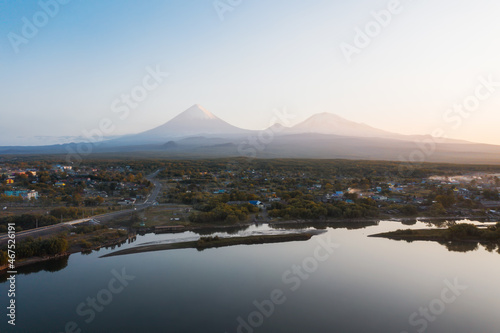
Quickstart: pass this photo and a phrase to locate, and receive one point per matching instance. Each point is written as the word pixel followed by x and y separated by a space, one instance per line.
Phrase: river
pixel 338 281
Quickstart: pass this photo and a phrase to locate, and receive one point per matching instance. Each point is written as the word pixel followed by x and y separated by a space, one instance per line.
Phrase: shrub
pixel 3 258
pixel 464 230
pixel 85 244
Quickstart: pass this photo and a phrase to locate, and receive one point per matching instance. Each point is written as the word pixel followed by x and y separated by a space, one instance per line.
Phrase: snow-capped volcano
pixel 194 113
pixel 329 123
pixel 194 121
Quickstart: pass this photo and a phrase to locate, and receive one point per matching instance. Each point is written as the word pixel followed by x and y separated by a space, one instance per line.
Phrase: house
pixel 256 203
pixel 338 195
pixel 418 201
pixel 127 201
pixel 25 194
pixel 379 198
pixel 464 192
pixel 494 212
pixel 63 168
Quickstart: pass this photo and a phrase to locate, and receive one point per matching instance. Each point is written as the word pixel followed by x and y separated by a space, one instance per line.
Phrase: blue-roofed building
pixel 25 194
pixel 256 203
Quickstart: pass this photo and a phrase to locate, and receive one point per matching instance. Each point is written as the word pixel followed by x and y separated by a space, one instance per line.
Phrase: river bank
pixel 460 232
pixel 73 248
pixel 216 242
pixel 76 245
pixel 281 223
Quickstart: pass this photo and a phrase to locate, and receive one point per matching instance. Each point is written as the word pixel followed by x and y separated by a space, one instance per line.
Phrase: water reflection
pixel 409 221
pixel 438 223
pixel 324 225
pixel 52 266
pixel 266 229
pixel 232 230
pixel 464 247
pixel 461 246
pixel 367 285
pixel 490 247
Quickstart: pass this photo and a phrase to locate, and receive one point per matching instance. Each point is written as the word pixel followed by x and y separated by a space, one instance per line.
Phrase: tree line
pixel 31 247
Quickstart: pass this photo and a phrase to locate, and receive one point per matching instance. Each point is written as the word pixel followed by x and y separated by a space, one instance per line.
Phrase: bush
pixel 4 259
pixel 464 230
pixel 220 213
pixel 27 221
pixel 31 247
pixel 85 244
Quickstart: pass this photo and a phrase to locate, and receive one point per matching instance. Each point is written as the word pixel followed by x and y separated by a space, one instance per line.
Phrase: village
pixel 461 196
pixel 62 184
pixel 210 192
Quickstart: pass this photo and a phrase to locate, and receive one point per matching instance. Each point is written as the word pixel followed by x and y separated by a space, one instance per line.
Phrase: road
pixel 151 198
pixel 42 231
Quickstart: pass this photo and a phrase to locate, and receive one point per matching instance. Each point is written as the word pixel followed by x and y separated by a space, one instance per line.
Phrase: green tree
pixel 447 200
pixel 437 209
pixel 4 259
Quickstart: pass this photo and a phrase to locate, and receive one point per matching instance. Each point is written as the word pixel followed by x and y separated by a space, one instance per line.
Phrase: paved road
pixel 42 231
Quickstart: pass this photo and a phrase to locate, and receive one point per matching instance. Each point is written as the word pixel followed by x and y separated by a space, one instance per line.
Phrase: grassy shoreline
pixel 459 232
pixel 215 242
pixel 113 237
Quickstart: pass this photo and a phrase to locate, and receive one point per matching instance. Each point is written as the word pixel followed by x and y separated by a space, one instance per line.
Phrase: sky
pixel 411 67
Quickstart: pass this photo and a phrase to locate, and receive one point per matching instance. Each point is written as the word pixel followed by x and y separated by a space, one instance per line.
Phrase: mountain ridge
pixel 196 132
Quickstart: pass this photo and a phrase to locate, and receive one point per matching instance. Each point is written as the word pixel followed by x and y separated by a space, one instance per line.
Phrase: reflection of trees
pixel 323 225
pixel 52 266
pixel 56 265
pixel 229 230
pixel 409 221
pixel 461 246
pixel 439 223
pixel 490 247
pixel 112 246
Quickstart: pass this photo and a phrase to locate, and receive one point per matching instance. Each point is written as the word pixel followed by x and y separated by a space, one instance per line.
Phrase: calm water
pixel 362 285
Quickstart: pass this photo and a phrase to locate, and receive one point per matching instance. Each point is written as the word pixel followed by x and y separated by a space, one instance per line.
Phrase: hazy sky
pixel 265 55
